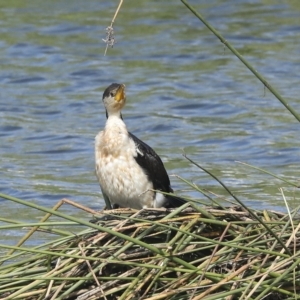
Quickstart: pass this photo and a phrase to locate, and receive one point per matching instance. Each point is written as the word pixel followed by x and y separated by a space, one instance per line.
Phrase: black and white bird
pixel 129 171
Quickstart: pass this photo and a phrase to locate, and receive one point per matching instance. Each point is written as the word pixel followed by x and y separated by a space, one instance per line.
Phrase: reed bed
pixel 192 252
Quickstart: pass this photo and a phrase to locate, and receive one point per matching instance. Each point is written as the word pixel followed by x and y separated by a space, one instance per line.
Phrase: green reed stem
pixel 243 60
pixel 243 205
pixel 269 173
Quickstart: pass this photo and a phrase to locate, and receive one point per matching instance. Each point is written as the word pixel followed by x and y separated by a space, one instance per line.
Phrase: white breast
pixel 119 175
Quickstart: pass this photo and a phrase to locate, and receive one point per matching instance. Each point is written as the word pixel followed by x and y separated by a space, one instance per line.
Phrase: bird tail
pixel 174 201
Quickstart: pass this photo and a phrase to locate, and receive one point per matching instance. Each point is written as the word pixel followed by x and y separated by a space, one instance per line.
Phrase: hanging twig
pixel 110 39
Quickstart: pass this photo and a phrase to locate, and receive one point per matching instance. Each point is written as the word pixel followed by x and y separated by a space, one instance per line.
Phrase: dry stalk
pixel 52 281
pixel 110 39
pixel 225 280
pixel 207 263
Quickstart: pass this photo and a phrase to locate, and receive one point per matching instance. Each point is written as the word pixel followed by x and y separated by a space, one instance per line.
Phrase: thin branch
pixel 110 39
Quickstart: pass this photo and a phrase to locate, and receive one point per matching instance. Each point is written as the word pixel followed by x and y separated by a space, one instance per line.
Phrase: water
pixel 185 92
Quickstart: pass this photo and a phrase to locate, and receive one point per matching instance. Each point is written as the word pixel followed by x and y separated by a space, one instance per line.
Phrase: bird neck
pixel 115 123
pixel 118 114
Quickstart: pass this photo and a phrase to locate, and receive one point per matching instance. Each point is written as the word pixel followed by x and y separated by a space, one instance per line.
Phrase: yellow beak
pixel 120 95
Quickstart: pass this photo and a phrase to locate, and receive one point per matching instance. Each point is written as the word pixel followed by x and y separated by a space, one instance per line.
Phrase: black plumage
pixel 154 168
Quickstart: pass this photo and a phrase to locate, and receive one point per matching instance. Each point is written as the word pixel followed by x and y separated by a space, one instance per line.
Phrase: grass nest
pixel 191 252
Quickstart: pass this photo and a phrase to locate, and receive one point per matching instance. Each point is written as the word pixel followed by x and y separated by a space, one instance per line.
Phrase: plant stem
pixel 243 60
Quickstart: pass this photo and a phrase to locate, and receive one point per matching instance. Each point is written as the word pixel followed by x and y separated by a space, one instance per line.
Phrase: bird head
pixel 114 98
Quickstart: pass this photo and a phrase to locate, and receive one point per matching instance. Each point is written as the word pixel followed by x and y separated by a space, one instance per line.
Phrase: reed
pixel 244 61
pixel 192 252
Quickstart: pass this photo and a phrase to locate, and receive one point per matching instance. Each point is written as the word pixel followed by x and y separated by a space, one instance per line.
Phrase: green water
pixel 185 92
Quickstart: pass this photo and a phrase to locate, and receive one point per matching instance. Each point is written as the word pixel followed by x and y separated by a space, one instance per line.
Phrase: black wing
pixel 152 165
pixel 155 170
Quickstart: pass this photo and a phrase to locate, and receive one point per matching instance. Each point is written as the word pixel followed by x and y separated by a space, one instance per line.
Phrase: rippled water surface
pixel 185 92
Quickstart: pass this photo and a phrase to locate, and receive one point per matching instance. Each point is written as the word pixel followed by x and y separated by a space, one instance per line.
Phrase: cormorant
pixel 129 171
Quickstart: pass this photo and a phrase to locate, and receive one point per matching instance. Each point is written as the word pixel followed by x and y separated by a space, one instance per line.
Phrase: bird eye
pixel 111 94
